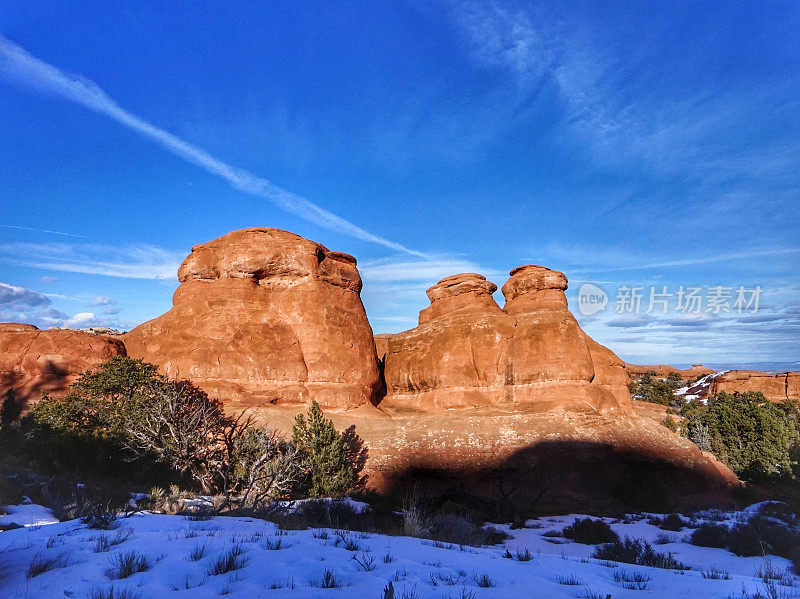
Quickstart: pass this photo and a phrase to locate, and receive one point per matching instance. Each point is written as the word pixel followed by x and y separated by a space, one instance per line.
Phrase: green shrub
pixel 325 455
pixel 657 390
pixel 670 423
pixel 590 532
pixel 755 437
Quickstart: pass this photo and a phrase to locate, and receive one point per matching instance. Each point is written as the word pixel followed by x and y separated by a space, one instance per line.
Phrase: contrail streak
pixel 19 66
pixel 42 231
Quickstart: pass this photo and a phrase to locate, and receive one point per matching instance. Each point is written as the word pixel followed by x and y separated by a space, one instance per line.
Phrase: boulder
pixel 34 361
pixel 263 316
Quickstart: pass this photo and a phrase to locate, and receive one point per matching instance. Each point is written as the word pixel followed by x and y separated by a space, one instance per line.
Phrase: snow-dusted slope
pixel 698 389
pixel 297 567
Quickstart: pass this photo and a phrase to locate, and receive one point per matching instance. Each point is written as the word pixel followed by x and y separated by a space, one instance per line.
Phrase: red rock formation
pixel 530 356
pixel 33 361
pixel 636 371
pixel 263 316
pixel 775 387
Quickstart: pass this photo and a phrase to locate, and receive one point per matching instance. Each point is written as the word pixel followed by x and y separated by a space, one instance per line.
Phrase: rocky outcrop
pixel 266 321
pixel 34 361
pixel 775 387
pixel 263 316
pixel 529 356
pixel 635 371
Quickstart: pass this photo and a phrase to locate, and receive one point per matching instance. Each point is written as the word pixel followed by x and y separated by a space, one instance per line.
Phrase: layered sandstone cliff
pixel 775 387
pixel 263 316
pixel 34 361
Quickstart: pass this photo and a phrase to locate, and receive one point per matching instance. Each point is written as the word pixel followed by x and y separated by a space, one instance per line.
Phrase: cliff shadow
pixel 557 477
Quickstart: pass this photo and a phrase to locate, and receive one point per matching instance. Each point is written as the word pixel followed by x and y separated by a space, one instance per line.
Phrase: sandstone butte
pixel 476 394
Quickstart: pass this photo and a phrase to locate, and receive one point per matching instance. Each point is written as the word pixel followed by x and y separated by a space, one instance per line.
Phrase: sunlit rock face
pixel 530 355
pixel 34 361
pixel 264 316
pixel 775 387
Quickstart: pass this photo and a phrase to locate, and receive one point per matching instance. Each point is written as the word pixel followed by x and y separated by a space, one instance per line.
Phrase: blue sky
pixel 626 144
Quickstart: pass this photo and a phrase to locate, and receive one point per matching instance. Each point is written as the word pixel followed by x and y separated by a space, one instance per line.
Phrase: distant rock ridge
pixel 775 387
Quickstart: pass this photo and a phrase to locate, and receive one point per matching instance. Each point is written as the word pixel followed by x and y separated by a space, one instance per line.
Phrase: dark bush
pixel 590 532
pixel 671 522
pixel 638 552
pixel 761 535
pixel 711 535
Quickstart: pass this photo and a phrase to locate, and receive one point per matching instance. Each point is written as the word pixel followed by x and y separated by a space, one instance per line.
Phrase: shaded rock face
pixel 530 355
pixel 34 361
pixel 263 316
pixel 775 387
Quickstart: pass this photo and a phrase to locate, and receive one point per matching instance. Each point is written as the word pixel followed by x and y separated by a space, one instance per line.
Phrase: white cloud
pixel 130 262
pixel 20 67
pixel 103 301
pixel 81 319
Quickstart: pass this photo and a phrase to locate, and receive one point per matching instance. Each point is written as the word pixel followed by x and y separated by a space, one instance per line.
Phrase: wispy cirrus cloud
pixel 582 259
pixel 394 288
pixel 615 106
pixel 48 231
pixel 20 67
pixel 129 262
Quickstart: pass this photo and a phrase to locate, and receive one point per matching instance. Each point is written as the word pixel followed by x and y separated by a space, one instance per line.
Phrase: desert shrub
pixel 228 561
pixel 794 557
pixel 10 411
pixel 653 389
pixel 39 565
pixel 755 437
pixel 113 593
pixel 670 423
pixel 125 414
pixel 638 552
pixel 672 522
pixel 711 535
pixel 590 532
pixel 760 535
pixel 325 454
pixel 126 564
pixel 264 467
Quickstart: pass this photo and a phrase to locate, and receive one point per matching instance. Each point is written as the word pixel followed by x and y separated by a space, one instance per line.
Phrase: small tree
pixel 325 453
pixel 10 410
pixel 263 466
pixel 179 425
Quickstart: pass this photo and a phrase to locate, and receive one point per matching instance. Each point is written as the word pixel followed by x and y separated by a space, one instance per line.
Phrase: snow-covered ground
pixel 182 553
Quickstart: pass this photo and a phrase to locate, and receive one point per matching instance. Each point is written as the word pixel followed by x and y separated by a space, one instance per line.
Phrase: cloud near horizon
pixel 18 304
